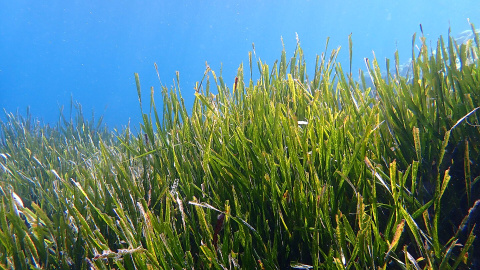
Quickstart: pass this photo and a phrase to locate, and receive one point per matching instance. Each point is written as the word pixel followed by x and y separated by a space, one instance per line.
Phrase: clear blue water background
pixel 51 51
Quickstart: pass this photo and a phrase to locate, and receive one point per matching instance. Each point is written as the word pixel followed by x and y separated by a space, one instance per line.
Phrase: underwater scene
pixel 240 135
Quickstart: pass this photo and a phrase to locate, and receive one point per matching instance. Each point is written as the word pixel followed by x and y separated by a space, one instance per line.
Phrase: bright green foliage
pixel 285 172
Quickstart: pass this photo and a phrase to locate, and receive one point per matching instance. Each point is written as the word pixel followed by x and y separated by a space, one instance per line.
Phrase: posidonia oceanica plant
pixel 279 172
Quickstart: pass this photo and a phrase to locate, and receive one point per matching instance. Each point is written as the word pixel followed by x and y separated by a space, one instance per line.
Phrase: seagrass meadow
pixel 284 172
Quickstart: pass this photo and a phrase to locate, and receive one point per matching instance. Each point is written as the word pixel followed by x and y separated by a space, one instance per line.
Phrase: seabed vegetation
pixel 287 172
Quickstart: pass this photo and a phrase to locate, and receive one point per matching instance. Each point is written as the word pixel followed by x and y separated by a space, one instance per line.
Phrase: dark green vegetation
pixel 286 171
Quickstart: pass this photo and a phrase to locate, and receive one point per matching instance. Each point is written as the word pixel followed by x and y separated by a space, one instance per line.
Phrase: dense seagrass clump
pixel 282 172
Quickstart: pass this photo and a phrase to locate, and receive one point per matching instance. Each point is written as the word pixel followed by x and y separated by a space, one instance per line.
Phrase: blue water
pixel 51 51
